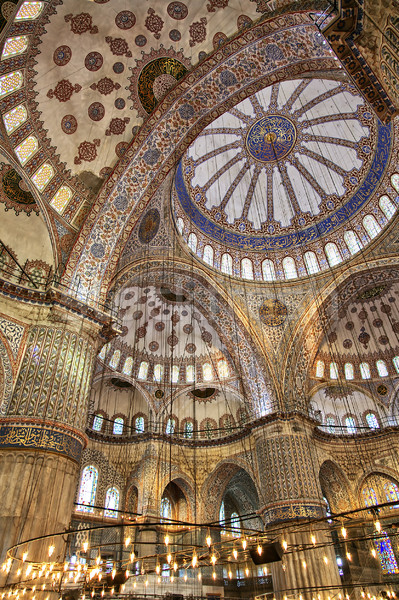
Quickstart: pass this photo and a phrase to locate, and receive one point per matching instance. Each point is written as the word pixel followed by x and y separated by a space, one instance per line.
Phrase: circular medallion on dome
pixel 271 138
pixel 273 312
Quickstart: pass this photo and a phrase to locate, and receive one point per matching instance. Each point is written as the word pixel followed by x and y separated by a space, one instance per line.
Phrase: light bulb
pixel 113 573
pixel 213 559
pixel 285 545
pixel 235 553
pixel 98 560
pixel 127 541
pixel 172 579
pixel 247 572
pixel 134 584
pixel 169 558
pixel 185 577
pixel 213 575
pixel 159 580
pixel 157 569
pixel 313 538
pixel 348 556
pixel 127 573
pixel 24 556
pixel 175 566
pixel 259 550
pixel 85 546
pixel 304 564
pixel 51 550
pixel 166 540
pixel 374 555
pixel 194 560
pixel 146 582
pixel 377 525
pixel 244 543
pixel 199 576
pixel 264 570
pixel 112 590
pixel 208 541
pixel 132 557
pixel 230 574
pixel 102 593
pixel 325 560
pixel 343 531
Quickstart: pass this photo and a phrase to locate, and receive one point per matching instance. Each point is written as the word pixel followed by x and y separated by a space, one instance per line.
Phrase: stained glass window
pixel 188 429
pixel 87 490
pixel 365 371
pixel 235 525
pixel 222 516
pixel 371 226
pixel 387 207
pixel 350 425
pixel 207 372
pixel 247 269
pixel 10 82
pixel 190 374
pixel 349 373
pixel 208 255
pixel 15 118
pixel 118 426
pixel 268 271
pixel 223 369
pixel 158 373
pixel 29 11
pixel 227 264
pixel 192 242
pixel 372 421
pixel 42 176
pixel 385 553
pixel 395 361
pixel 180 225
pixel 139 425
pixel 114 362
pixel 289 268
pixel 395 181
pixel 166 508
pixel 27 149
pixel 382 368
pixel 98 422
pixel 111 503
pixel 369 496
pixel 319 368
pixel 128 366
pixel 15 45
pixel 104 351
pixel 333 370
pixel 209 429
pixel 391 491
pixel 143 370
pixel 61 198
pixel 175 374
pixel 170 426
pixel 311 263
pixel 333 254
pixel 352 241
pixel 330 422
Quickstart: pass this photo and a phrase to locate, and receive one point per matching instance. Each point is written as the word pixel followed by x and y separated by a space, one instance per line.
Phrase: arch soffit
pixel 132 184
pixel 184 483
pixel 6 360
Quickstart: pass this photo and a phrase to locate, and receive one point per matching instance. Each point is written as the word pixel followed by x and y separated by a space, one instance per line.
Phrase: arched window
pixel 386 555
pixel 352 241
pixel 139 424
pixel 29 11
pixel 10 82
pixel 111 503
pixel 365 371
pixel 311 263
pixel 98 422
pixel 190 374
pixel 387 207
pixel 188 429
pixel 333 370
pixel 372 421
pixel 226 265
pixel 166 508
pixel 319 368
pixel 395 181
pixel 180 225
pixel 349 374
pixel 175 374
pixel 14 46
pixel 395 361
pixel 192 242
pixel 158 373
pixel 118 426
pixel 247 269
pixel 128 366
pixel 170 426
pixel 208 255
pixel 87 490
pixel 223 369
pixel 382 368
pixel 330 422
pixel 143 370
pixel 371 226
pixel 391 492
pixel 369 496
pixel 268 271
pixel 61 198
pixel 114 362
pixel 15 118
pixel 333 254
pixel 104 351
pixel 42 176
pixel 27 149
pixel 235 525
pixel 289 268
pixel 207 372
pixel 222 517
pixel 350 425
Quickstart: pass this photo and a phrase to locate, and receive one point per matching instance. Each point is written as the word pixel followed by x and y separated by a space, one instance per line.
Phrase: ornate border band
pixel 41 438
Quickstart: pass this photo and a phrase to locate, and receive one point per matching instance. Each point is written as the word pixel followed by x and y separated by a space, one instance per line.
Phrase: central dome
pixel 271 138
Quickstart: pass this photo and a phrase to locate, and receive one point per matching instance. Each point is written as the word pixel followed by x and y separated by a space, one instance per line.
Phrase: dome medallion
pixel 271 138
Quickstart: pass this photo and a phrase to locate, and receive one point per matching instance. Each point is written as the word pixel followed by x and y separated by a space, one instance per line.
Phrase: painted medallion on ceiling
pixel 14 192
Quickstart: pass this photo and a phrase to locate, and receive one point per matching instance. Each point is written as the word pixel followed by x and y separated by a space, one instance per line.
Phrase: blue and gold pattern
pixel 271 138
pixel 40 438
pixel 272 312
